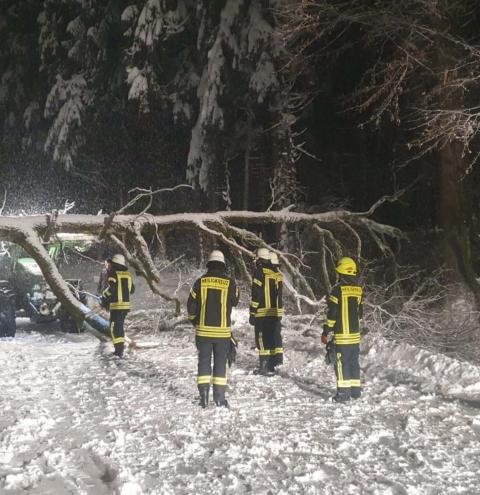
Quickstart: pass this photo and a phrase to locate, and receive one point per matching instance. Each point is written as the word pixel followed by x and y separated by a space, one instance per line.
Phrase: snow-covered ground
pixel 75 421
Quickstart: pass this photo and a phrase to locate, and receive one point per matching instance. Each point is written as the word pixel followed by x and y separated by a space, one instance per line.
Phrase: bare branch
pixel 147 193
pixel 67 207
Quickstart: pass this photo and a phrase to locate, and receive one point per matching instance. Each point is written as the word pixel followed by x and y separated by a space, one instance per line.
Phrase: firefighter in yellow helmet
pixel 209 308
pixel 344 312
pixel 116 298
pixel 265 310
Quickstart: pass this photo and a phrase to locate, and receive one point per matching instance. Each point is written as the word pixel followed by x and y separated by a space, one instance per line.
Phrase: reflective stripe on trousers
pixel 347 369
pixel 218 347
pixel 265 336
pixel 117 320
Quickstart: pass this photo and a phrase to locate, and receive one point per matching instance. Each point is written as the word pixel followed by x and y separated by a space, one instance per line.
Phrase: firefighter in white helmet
pixel 265 309
pixel 209 307
pixel 116 298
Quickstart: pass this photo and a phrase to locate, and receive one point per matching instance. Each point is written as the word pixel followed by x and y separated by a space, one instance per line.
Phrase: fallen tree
pixel 129 233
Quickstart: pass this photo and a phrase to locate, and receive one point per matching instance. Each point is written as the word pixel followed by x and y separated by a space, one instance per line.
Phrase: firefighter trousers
pixel 117 320
pixel 265 331
pixel 347 371
pixel 218 347
pixel 278 343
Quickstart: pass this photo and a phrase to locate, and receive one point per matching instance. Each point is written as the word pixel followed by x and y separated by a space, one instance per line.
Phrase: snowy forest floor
pixel 74 420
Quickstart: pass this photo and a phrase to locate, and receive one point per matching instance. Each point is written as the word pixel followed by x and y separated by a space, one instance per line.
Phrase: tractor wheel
pixel 3 325
pixel 68 323
pixel 12 322
pixel 8 325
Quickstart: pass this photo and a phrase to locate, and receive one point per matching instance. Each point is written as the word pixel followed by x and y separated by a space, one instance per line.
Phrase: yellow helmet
pixel 346 266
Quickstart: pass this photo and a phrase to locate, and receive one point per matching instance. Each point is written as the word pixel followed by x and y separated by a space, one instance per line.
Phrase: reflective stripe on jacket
pixel 267 289
pixel 120 287
pixel 210 304
pixel 344 312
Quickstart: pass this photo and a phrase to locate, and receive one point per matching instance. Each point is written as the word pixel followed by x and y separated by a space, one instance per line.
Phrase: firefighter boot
pixel 341 397
pixel 355 392
pixel 119 348
pixel 204 391
pixel 263 366
pixel 278 359
pixel 222 403
pixel 219 396
pixel 271 363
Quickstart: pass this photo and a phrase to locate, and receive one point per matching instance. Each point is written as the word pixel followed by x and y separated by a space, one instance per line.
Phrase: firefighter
pixel 344 312
pixel 277 334
pixel 209 307
pixel 265 310
pixel 116 298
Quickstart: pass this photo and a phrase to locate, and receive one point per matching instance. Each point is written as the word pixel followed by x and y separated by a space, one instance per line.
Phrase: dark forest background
pixel 257 104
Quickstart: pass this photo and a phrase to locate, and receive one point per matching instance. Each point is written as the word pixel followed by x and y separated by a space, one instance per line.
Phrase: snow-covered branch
pixel 234 229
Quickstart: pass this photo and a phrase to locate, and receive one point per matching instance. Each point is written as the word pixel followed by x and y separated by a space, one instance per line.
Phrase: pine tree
pixel 208 68
pixel 80 63
pixel 20 89
pixel 237 91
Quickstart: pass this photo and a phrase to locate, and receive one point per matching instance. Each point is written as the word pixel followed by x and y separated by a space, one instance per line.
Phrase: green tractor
pixel 24 291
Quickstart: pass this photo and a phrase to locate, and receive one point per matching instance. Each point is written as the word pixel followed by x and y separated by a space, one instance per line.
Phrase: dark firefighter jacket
pixel 117 293
pixel 210 304
pixel 267 287
pixel 345 311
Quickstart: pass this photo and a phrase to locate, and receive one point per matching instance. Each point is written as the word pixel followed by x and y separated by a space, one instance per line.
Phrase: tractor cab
pixel 28 291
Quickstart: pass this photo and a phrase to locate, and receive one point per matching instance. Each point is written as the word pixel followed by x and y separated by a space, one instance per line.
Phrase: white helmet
pixel 274 259
pixel 119 259
pixel 217 255
pixel 263 254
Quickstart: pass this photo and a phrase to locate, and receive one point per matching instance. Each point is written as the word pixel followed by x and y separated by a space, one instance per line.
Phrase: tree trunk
pixel 246 175
pixel 454 216
pixel 127 232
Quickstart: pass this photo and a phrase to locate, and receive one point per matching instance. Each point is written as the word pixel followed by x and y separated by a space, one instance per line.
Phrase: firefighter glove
pixel 330 356
pixel 232 351
pixel 324 338
pixel 251 320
